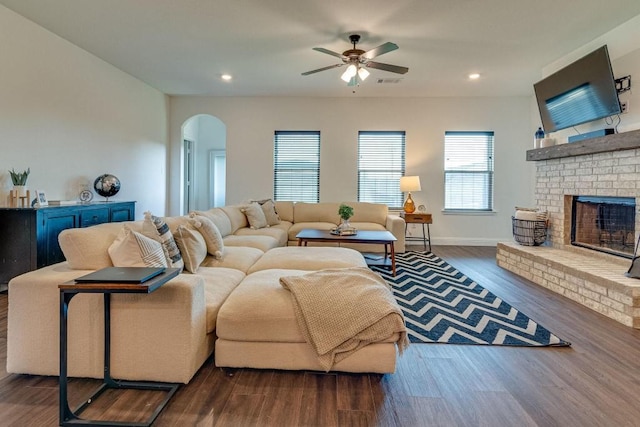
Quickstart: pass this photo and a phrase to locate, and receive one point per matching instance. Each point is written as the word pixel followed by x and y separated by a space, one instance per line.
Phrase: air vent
pixel 386 81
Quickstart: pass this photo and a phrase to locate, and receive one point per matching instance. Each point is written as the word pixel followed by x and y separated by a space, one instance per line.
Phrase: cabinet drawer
pixel 418 218
pixel 91 217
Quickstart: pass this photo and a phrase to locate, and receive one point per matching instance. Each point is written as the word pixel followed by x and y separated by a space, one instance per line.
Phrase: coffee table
pixel 363 236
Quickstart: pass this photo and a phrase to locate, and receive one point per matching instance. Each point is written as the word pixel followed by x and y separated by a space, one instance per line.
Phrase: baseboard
pixel 461 241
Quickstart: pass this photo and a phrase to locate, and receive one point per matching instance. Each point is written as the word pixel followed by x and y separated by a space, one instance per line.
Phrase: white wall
pixel 71 117
pixel 251 123
pixel 623 44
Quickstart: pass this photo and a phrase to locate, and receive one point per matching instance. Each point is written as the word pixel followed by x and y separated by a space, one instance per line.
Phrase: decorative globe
pixel 106 185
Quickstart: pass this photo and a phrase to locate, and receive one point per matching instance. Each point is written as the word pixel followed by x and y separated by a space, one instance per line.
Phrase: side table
pixel 418 218
pixel 67 291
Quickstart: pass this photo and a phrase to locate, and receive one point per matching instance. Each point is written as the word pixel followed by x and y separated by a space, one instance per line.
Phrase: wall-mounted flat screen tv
pixel 579 93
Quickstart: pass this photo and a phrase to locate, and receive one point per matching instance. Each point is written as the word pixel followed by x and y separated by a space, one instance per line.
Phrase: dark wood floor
pixel 596 382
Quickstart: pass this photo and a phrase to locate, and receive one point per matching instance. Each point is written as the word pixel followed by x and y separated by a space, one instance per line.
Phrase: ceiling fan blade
pixel 322 69
pixel 329 52
pixel 387 67
pixel 380 50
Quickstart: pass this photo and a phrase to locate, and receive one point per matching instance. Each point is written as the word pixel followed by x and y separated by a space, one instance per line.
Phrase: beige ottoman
pixel 309 259
pixel 257 328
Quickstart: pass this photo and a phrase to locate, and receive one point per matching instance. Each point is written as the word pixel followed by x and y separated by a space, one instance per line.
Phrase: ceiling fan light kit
pixel 357 59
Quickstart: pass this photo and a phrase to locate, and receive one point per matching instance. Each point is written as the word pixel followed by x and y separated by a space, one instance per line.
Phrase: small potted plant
pixel 345 212
pixel 19 180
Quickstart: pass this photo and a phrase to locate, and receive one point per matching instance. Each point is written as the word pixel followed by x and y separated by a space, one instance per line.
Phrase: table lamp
pixel 409 184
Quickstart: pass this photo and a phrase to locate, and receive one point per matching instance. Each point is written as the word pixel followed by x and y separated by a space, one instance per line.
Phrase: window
pixel 380 166
pixel 468 171
pixel 296 166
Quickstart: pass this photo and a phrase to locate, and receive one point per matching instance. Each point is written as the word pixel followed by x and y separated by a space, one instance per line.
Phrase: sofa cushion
pixel 369 212
pixel 211 234
pixel 370 226
pixel 132 249
pixel 308 258
pixel 218 284
pixel 237 218
pixel 299 226
pixel 246 315
pixel 264 243
pixel 192 247
pixel 316 212
pixel 278 232
pixel 239 258
pixel 88 248
pixel 284 210
pixel 219 218
pixel 255 215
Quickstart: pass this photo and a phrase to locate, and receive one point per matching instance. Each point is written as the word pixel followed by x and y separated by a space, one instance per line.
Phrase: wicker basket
pixel 529 233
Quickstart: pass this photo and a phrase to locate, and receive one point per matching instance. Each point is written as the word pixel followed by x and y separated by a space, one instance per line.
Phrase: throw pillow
pixel 155 228
pixel 132 249
pixel 255 215
pixel 211 234
pixel 192 246
pixel 269 210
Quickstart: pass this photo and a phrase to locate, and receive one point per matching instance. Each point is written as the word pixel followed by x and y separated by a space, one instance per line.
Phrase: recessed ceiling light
pixel 474 76
pixel 226 77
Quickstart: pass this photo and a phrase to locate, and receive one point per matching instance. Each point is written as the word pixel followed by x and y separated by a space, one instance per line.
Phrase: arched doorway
pixel 203 165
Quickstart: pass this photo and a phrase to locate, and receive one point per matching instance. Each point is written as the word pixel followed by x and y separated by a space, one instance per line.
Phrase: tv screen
pixel 579 93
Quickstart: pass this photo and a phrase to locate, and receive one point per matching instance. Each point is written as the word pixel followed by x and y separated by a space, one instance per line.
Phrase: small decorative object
pixel 85 196
pixel 409 184
pixel 19 178
pixel 41 199
pixel 537 138
pixel 19 194
pixel 107 185
pixel 422 208
pixel 345 212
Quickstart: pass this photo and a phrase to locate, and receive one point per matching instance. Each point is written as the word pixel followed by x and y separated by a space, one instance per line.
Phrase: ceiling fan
pixel 357 60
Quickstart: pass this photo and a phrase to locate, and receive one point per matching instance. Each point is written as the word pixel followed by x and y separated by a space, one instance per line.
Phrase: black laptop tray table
pixel 67 292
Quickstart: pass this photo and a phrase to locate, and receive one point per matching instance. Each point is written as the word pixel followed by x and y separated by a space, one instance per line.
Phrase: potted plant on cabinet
pixel 19 180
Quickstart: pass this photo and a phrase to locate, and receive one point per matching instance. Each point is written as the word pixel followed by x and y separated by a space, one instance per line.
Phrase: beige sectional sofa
pixel 167 335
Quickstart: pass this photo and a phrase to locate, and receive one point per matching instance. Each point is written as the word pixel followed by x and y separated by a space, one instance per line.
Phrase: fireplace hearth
pixel 605 224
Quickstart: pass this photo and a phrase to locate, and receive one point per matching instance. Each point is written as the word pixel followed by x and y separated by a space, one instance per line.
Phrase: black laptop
pixel 121 275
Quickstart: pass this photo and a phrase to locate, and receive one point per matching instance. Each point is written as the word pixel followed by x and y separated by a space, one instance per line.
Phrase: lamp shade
pixel 363 74
pixel 351 71
pixel 410 183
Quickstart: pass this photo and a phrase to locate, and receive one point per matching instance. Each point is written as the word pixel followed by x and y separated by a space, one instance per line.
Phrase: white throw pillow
pixel 132 249
pixel 211 234
pixel 192 246
pixel 255 215
pixel 269 210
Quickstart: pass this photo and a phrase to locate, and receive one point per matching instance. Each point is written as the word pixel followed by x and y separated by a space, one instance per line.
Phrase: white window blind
pixel 380 166
pixel 296 166
pixel 468 171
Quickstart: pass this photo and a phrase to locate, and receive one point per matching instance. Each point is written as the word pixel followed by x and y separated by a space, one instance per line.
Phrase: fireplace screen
pixel 605 224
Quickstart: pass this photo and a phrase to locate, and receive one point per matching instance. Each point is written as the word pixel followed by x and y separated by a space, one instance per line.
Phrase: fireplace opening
pixel 605 224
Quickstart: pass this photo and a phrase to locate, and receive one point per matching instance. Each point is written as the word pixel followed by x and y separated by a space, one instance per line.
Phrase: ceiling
pixel 182 47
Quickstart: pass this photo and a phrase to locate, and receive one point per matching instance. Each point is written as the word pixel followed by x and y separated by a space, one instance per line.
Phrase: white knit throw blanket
pixel 341 310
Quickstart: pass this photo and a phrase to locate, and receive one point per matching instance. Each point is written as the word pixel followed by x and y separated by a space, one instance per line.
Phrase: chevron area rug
pixel 442 305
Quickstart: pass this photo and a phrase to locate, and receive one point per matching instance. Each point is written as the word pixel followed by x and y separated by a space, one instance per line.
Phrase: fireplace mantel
pixel 616 142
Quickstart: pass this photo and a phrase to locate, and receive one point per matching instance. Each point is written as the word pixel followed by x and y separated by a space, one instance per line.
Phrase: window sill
pixel 467 212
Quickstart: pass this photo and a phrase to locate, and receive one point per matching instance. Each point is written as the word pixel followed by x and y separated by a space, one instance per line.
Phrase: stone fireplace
pixel 597 182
